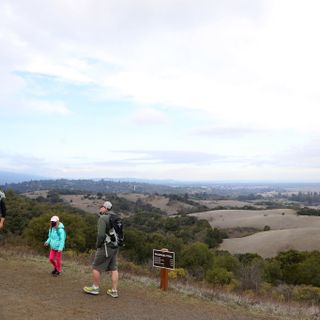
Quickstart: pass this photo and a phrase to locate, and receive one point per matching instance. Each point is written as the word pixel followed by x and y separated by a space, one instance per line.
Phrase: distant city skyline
pixel 191 91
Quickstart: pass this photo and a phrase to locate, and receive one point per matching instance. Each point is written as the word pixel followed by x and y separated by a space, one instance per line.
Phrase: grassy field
pixel 288 230
pixel 163 203
pixel 275 218
pixel 211 204
pixel 92 205
pixel 270 243
pixel 80 202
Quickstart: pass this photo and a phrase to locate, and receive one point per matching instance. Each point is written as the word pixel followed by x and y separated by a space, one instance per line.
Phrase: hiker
pixel 56 241
pixel 107 252
pixel 3 209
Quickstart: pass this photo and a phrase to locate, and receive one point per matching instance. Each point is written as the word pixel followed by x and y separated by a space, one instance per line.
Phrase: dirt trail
pixel 28 291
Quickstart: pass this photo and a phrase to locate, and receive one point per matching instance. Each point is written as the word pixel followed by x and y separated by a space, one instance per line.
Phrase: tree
pixel 289 261
pixel 272 272
pixel 214 237
pixel 197 259
pixel 308 271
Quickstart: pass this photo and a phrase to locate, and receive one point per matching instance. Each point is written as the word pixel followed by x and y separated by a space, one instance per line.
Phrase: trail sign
pixel 163 259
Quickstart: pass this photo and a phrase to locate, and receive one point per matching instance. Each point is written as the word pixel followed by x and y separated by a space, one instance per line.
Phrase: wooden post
pixel 164 279
pixel 164 276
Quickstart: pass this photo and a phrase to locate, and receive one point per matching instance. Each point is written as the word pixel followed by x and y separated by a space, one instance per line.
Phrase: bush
pixel 272 271
pixel 226 261
pixel 197 259
pixel 219 276
pixel 306 293
pixel 178 274
pixel 79 234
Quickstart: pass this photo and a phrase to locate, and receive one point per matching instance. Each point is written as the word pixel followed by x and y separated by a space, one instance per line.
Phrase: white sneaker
pixel 112 293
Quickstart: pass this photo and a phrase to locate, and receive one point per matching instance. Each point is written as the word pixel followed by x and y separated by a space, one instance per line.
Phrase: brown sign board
pixel 163 259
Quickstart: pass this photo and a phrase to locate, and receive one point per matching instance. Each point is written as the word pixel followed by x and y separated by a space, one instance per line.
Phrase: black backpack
pixel 115 234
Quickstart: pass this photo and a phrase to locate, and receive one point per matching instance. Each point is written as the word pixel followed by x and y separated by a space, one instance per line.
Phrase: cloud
pixel 47 107
pixel 17 162
pixel 247 69
pixel 227 131
pixel 213 57
pixel 301 156
pixel 170 157
pixel 149 116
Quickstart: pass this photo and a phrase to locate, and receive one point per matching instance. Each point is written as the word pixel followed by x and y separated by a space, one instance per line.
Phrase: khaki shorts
pixel 102 262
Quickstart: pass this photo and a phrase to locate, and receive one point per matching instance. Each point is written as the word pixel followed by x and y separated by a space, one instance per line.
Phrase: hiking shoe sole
pixel 113 294
pixel 90 291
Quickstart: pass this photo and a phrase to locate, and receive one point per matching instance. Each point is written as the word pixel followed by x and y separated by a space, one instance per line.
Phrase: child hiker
pixel 56 240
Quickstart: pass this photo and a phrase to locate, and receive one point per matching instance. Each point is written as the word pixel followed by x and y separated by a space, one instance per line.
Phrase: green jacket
pixel 57 237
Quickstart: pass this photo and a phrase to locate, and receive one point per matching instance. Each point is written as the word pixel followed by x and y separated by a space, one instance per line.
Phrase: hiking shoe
pixel 112 293
pixel 57 273
pixel 91 290
pixel 54 271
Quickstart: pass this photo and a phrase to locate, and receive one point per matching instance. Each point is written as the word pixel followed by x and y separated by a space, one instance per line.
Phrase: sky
pixel 187 90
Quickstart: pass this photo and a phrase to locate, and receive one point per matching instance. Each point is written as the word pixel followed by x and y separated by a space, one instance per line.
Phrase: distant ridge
pixel 8 178
pixel 13 177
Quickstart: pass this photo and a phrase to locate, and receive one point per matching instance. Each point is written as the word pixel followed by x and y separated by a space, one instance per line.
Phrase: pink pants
pixel 55 259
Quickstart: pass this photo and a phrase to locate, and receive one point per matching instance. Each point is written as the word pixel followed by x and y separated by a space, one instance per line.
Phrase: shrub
pixel 219 276
pixel 178 274
pixel 79 234
pixel 306 293
pixel 197 258
pixel 272 271
pixel 226 261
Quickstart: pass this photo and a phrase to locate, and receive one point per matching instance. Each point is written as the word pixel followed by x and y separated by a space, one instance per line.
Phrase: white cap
pixel 107 205
pixel 54 219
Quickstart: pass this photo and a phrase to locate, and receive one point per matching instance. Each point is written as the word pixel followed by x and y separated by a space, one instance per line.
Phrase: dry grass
pixel 36 194
pixel 80 202
pixel 288 230
pixel 211 204
pixel 270 243
pixel 163 203
pixel 92 205
pixel 288 310
pixel 275 218
pixel 183 293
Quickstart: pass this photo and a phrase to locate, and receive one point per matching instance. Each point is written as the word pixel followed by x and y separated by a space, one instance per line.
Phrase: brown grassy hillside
pixel 288 230
pixel 270 243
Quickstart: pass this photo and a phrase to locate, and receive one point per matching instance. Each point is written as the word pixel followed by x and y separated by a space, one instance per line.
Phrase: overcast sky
pixel 187 90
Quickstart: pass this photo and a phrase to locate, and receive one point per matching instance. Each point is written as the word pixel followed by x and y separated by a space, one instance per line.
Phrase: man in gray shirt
pixel 106 255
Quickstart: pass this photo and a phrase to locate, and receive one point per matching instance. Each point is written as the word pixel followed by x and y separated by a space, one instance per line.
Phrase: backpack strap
pixel 108 223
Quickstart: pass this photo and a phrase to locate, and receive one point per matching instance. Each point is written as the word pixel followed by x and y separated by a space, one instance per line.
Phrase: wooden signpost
pixel 165 260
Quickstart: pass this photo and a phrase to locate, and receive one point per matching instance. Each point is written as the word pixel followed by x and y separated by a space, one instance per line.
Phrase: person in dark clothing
pixel 106 255
pixel 3 209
